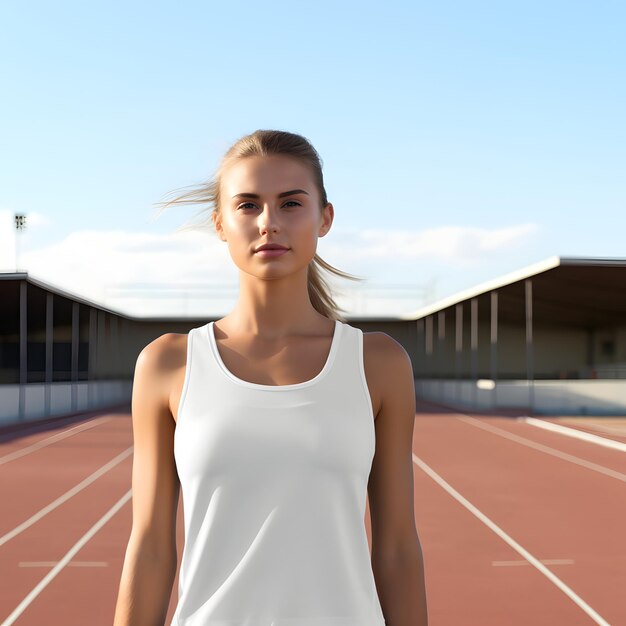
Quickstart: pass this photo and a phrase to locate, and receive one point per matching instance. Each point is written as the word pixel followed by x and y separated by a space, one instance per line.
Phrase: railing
pixel 189 299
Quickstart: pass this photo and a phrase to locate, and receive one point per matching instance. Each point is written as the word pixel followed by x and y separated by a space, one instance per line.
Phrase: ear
pixel 328 216
pixel 217 222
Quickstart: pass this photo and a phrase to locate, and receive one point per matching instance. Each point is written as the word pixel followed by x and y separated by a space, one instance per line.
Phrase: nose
pixel 268 221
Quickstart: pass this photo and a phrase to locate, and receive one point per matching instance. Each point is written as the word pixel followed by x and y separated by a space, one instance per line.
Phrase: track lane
pixel 555 509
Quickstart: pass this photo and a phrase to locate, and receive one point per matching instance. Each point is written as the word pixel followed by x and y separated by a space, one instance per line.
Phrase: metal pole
pixel 20 225
pixel 529 344
pixel 428 347
pixel 75 344
pixel 91 359
pixel 23 349
pixel 441 335
pixel 420 384
pixel 49 351
pixel 474 348
pixel 494 346
pixel 458 347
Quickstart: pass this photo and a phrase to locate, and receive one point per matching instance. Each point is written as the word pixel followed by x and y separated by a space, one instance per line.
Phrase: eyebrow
pixel 280 195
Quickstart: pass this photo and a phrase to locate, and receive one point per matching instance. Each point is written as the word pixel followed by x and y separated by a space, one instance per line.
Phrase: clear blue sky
pixel 492 131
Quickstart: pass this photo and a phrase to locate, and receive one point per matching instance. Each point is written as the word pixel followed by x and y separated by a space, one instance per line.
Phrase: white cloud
pixel 92 261
pixel 112 267
pixel 448 243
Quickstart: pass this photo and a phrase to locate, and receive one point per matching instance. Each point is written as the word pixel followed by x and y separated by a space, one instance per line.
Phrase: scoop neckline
pixel 245 383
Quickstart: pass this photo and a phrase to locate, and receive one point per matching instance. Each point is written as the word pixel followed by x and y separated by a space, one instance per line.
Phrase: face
pixel 253 213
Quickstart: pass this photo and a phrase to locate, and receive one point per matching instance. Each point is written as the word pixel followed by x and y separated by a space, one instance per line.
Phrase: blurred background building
pixel 549 338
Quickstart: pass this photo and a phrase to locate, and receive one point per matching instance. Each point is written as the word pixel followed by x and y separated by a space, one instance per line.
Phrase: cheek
pixel 234 228
pixel 304 231
pixel 309 221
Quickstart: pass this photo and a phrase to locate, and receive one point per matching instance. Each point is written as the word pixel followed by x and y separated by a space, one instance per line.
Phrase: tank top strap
pixel 348 376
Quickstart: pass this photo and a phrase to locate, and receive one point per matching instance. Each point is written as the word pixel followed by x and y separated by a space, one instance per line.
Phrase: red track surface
pixel 484 486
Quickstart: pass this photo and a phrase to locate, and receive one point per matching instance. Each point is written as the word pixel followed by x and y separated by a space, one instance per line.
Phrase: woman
pixel 275 421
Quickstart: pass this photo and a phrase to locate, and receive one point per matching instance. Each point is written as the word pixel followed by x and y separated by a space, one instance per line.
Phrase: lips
pixel 271 246
pixel 271 252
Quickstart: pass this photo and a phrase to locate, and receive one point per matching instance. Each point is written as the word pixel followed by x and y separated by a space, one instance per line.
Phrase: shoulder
pixel 160 360
pixel 164 352
pixel 384 344
pixel 388 368
pixel 385 351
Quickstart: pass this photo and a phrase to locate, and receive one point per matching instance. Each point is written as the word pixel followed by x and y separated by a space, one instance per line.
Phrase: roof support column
pixel 420 337
pixel 114 343
pixel 528 284
pixel 441 335
pixel 75 344
pixel 458 347
pixel 91 357
pixel 49 350
pixel 590 350
pixel 100 348
pixel 23 349
pixel 494 347
pixel 474 348
pixel 428 346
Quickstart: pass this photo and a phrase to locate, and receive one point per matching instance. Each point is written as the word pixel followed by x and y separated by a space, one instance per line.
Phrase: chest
pixel 277 365
pixel 274 364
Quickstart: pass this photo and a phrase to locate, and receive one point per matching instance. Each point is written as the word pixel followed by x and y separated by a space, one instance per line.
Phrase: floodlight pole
pixel 20 225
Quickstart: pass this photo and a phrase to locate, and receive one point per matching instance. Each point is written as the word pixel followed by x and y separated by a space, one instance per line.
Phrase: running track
pixel 518 524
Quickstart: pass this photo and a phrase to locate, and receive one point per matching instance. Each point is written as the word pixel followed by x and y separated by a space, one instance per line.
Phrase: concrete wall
pixel 556 397
pixel 40 400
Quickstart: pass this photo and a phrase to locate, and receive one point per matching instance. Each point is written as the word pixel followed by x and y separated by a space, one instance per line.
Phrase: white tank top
pixel 273 482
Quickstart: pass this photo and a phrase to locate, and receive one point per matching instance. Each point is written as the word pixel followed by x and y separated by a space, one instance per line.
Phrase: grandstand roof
pixel 575 291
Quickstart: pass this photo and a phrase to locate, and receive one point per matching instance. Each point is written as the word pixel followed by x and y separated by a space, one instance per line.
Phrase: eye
pixel 245 205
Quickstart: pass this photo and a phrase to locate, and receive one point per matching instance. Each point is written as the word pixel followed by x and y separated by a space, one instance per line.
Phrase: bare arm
pixel 397 559
pixel 150 562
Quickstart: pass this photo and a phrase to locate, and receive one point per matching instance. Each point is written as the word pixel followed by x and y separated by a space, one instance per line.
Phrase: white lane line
pixel 511 542
pixel 66 496
pixel 619 431
pixel 574 432
pixel 43 583
pixel 543 448
pixel 544 561
pixel 52 439
pixel 36 426
pixel 70 564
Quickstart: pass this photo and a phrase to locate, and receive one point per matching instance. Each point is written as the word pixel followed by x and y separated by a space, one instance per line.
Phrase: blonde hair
pixel 266 143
